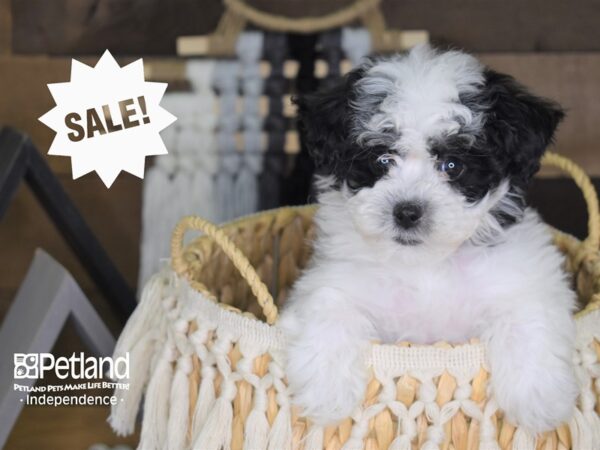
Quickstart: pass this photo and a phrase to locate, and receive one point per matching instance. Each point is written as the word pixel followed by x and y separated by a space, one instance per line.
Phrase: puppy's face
pixel 427 150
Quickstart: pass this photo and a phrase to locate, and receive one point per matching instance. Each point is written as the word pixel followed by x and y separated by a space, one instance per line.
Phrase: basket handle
pixel 589 193
pixel 259 289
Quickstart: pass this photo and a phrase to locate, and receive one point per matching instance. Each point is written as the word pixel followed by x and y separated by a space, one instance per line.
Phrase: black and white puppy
pixel 424 235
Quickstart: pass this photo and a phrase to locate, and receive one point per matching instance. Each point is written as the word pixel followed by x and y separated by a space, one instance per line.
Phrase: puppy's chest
pixel 429 306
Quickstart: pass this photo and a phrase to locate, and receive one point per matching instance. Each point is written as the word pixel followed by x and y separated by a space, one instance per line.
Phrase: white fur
pixel 426 86
pixel 363 286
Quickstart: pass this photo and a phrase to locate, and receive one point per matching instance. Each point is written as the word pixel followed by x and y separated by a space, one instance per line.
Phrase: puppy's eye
pixel 452 167
pixel 386 160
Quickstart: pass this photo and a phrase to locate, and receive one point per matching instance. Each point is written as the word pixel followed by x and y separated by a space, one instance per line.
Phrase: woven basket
pixel 209 360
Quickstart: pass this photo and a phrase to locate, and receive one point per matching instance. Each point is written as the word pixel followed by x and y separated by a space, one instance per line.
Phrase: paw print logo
pixel 26 366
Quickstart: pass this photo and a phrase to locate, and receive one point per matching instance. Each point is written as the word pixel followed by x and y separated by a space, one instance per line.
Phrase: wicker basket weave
pixel 212 372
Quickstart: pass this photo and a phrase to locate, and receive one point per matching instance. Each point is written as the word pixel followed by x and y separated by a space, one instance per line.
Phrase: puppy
pixel 424 235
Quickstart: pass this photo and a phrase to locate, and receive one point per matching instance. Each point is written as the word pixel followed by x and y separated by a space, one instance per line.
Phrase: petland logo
pixel 36 365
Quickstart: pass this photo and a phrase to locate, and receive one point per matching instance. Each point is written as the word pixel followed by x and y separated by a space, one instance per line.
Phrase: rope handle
pixel 584 183
pixel 259 289
pixel 309 24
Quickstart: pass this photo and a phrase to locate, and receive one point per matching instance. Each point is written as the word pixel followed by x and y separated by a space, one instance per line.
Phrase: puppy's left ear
pixel 324 121
pixel 519 124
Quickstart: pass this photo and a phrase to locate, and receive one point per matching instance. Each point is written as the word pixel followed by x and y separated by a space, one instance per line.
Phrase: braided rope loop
pixel 592 242
pixel 304 25
pixel 259 289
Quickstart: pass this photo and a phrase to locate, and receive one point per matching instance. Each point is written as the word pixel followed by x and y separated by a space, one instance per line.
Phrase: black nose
pixel 408 214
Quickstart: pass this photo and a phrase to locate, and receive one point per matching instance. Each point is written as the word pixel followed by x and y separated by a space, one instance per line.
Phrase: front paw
pixel 326 385
pixel 540 398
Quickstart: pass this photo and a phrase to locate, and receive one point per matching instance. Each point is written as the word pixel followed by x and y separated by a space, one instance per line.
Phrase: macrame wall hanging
pixel 250 50
pixel 180 183
pixel 271 179
pixel 356 43
pixel 303 48
pixel 226 86
pixel 240 143
pixel 215 149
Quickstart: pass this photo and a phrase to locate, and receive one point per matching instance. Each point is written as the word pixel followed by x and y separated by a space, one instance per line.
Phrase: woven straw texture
pixel 208 362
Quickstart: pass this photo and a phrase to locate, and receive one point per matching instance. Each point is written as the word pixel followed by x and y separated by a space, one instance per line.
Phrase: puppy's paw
pixel 540 399
pixel 326 385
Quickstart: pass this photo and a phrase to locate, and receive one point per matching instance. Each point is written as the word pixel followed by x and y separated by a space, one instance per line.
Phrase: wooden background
pixel 552 46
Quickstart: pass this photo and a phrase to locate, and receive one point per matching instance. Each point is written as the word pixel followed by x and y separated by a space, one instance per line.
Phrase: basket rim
pixel 267 338
pixel 273 213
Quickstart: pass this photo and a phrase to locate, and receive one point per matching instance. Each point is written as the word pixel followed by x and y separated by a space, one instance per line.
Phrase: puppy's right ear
pixel 324 121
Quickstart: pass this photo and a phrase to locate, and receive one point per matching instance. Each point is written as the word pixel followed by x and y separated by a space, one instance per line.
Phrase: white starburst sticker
pixel 107 118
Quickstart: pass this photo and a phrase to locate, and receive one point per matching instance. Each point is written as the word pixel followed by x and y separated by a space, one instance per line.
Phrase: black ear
pixel 518 124
pixel 324 122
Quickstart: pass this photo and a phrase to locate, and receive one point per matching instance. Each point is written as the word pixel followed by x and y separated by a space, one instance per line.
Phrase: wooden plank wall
pixel 136 27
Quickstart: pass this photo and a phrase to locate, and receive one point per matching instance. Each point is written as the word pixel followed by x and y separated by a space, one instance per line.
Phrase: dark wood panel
pixel 123 26
pixel 510 25
pixel 5 27
pixel 25 97
pixel 151 27
pixel 112 214
pixel 561 204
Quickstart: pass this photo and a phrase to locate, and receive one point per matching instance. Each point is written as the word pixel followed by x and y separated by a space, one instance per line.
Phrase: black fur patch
pixel 517 129
pixel 326 119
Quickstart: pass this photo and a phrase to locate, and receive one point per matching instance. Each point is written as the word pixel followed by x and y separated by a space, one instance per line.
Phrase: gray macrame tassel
pixel 356 43
pixel 229 164
pixel 249 50
pixel 271 177
pixel 225 83
pixel 180 183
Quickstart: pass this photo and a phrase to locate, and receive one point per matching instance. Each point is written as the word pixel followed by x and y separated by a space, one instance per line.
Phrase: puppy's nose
pixel 408 214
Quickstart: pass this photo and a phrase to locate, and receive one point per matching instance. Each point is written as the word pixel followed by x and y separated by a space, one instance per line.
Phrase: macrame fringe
pixel 354 443
pixel 206 400
pixel 216 431
pixel 124 412
pixel 401 443
pixel 489 445
pixel 144 317
pixel 157 188
pixel 156 406
pixel 430 446
pixel 245 189
pixel 594 422
pixel 177 427
pixel 225 195
pixel 188 141
pixel 523 440
pixel 138 340
pixel 581 432
pixel 280 437
pixel 202 194
pixel 314 438
pixel 256 431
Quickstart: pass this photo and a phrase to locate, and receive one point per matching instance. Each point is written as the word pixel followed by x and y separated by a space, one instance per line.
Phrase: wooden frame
pixel 19 159
pixel 46 299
